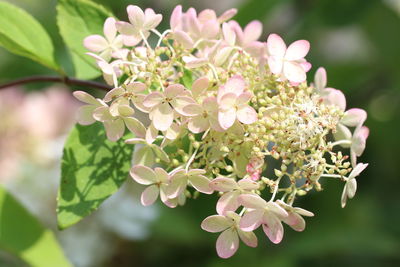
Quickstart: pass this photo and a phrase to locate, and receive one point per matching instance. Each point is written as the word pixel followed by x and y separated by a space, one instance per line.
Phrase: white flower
pixel 350 187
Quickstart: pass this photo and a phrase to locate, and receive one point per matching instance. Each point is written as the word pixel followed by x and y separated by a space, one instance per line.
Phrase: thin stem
pixel 276 188
pixel 56 79
pixel 341 142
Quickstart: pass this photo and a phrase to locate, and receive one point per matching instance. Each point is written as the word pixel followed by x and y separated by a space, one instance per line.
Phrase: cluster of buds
pixel 214 109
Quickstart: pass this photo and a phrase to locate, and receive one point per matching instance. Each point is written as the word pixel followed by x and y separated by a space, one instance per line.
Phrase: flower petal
pixel 215 223
pixel 248 184
pixel 85 114
pixel 223 184
pixel 297 50
pixel 227 243
pixel 162 117
pixel 276 46
pixel 249 238
pixel 320 79
pixel 227 118
pixel 115 92
pixel 143 175
pixel 354 117
pixel 114 129
pixel 251 220
pixel 235 84
pixel 294 72
pixel 174 90
pixel 228 202
pixel 252 201
pixel 135 126
pixel 85 98
pixel 295 221
pixel 201 184
pixel 359 140
pixel 149 195
pixel 136 87
pixel 153 99
pixel 109 29
pixel 246 114
pixel 273 228
pixel 95 43
pixel 136 16
pixel 199 86
pixel 176 17
pixel 198 124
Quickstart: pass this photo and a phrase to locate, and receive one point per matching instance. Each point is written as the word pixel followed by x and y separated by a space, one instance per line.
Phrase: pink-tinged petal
pixel 173 132
pixel 95 43
pixel 354 117
pixel 252 201
pixel 151 134
pixel 206 15
pixel 244 97
pixel 177 186
pixel 138 102
pixel 126 28
pixel 249 238
pixel 210 104
pixel 248 184
pixel 193 24
pixel 136 16
pixel 135 126
pixel 85 98
pixel 223 184
pixel 342 133
pixel 174 90
pixel 193 110
pixel 227 101
pixel 351 188
pixel 215 125
pixel 162 175
pixel 294 72
pixel 149 195
pixel 229 34
pixel 153 99
pixel 210 29
pixel 276 46
pixel 228 202
pixel 251 220
pixel 335 97
pixel 297 50
pixel 246 114
pixel 359 140
pixel 143 175
pixel 320 79
pixel 275 64
pixel 180 102
pixel 199 86
pixel 227 118
pixel 184 39
pixel 160 153
pixel 109 29
pixel 277 209
pixel 235 84
pixel 152 21
pixel 131 40
pixel 201 184
pixel 295 221
pixel 112 94
pixel 305 65
pixel 85 115
pixel 125 110
pixel 252 31
pixel 198 124
pixel 273 228
pixel 176 17
pixel 215 223
pixel 102 114
pixel 136 87
pixel 227 243
pixel 227 15
pixel 303 212
pixel 193 62
pixel 357 170
pixel 114 129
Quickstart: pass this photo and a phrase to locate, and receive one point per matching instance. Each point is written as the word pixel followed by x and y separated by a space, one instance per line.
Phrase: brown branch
pixel 64 80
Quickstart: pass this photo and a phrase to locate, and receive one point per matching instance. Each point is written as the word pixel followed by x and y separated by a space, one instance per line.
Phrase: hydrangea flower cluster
pixel 216 110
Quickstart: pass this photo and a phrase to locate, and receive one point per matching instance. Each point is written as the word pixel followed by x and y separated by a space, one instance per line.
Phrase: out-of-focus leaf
pixel 93 168
pixel 76 20
pixel 23 35
pixel 255 9
pixel 22 235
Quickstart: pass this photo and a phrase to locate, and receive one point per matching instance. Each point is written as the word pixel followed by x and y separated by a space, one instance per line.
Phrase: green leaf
pixel 76 20
pixel 22 235
pixel 23 35
pixel 187 78
pixel 93 168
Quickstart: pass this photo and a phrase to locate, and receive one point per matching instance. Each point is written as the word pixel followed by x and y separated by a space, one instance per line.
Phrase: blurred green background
pixel 358 42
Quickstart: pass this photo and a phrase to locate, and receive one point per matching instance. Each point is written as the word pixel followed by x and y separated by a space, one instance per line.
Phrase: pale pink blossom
pixel 132 92
pixel 232 190
pixel 254 168
pixel 233 103
pixel 294 218
pixel 149 150
pixel 141 23
pixel 288 62
pixel 116 117
pixel 157 181
pixel 247 38
pixel 105 46
pixel 85 112
pixel 350 187
pixel 228 240
pixel 162 105
pixel 358 143
pixel 260 212
pixel 195 177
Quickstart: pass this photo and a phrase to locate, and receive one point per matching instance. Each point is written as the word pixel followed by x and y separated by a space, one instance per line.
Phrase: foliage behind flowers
pixel 223 107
